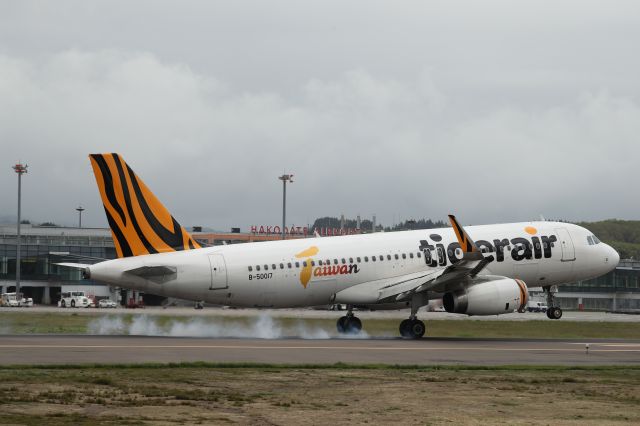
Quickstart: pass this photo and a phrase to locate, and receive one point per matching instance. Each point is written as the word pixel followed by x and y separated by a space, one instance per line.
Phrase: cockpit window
pixel 590 240
pixel 595 239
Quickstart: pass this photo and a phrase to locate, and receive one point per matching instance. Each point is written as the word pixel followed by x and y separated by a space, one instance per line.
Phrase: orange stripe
pixel 128 230
pixel 159 211
pixel 158 243
pixel 105 201
pixel 524 294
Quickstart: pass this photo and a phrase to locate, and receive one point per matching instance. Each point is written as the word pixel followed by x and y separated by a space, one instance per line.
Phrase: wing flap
pixel 376 291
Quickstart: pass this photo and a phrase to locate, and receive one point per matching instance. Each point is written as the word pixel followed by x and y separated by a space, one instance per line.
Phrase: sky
pixel 496 111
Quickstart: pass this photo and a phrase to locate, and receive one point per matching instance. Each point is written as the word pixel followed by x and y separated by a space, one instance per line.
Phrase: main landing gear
pixel 413 328
pixel 553 311
pixel 349 324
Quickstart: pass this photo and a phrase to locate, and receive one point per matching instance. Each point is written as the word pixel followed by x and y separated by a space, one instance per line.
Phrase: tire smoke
pixel 262 327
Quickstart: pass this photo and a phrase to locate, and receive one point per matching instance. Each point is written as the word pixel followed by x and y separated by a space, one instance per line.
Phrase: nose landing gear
pixel 553 311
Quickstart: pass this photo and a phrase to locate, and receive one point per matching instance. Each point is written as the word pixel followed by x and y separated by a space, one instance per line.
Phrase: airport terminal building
pixel 43 246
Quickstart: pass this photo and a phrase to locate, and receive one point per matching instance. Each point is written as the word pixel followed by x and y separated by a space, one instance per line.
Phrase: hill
pixel 622 235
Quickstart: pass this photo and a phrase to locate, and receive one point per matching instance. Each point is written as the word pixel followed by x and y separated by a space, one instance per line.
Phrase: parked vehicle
pixel 534 306
pixel 107 303
pixel 74 299
pixel 12 300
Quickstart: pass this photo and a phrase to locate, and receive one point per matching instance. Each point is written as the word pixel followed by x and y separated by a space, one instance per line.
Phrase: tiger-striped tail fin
pixel 139 223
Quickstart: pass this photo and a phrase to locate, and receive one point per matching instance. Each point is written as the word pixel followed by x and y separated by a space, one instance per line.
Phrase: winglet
pixel 466 244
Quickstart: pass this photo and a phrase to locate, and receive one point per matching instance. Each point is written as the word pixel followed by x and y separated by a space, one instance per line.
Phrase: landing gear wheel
pixel 417 329
pixel 73 303
pixel 341 325
pixel 404 328
pixel 556 313
pixel 349 324
pixel 412 329
pixel 354 325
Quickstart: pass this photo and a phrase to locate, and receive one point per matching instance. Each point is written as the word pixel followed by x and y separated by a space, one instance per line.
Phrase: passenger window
pixel 396 256
pixel 373 258
pixel 250 269
pixel 343 261
pixel 282 266
pixel 320 262
pixel 351 260
pixel 388 257
pixel 358 259
pixel 366 258
pixel 313 263
pixel 297 264
pixel 418 254
pixel 411 255
pixel 273 266
pixel 404 256
pixel 266 267
pixel 289 265
pixel 304 263
pixel 381 257
pixel 335 261
pixel 257 267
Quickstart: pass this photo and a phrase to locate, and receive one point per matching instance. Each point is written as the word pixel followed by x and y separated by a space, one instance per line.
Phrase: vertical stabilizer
pixel 140 224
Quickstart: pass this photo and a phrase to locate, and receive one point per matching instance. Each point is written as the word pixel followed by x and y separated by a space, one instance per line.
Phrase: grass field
pixel 81 323
pixel 237 394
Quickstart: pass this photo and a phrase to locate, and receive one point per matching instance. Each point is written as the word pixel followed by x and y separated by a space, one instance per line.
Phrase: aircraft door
pixel 218 272
pixel 564 239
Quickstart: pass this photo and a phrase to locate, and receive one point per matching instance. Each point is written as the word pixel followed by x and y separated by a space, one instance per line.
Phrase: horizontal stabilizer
pixel 152 271
pixel 73 265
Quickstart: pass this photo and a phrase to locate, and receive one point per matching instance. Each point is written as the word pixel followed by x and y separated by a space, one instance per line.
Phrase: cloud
pixel 359 143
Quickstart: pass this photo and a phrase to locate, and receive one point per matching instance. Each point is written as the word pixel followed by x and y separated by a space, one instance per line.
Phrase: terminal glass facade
pixel 40 249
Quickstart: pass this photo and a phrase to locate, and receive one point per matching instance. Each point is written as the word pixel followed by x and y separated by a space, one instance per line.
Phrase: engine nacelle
pixel 495 297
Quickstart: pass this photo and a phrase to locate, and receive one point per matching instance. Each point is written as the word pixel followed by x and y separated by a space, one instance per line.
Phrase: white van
pixel 12 300
pixel 74 299
pixel 534 306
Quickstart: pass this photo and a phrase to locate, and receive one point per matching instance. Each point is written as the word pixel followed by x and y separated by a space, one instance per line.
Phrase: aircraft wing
pixel 404 287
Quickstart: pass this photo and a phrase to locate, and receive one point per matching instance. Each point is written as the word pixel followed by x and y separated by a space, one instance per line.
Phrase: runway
pixel 84 349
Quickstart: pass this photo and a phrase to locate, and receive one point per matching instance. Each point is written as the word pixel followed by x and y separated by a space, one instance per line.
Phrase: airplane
pixel 489 274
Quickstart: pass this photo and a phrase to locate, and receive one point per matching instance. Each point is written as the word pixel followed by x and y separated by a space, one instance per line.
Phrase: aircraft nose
pixel 611 258
pixel 615 256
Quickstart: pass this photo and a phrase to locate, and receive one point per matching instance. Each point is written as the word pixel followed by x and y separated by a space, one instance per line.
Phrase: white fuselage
pixel 309 272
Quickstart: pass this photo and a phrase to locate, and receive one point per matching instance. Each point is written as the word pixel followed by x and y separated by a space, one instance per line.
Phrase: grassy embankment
pixel 78 323
pixel 243 394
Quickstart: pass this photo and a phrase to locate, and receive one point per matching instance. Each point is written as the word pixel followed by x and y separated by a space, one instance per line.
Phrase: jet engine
pixel 494 297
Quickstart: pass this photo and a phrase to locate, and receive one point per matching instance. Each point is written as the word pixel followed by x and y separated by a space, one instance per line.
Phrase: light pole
pixel 284 178
pixel 20 169
pixel 80 209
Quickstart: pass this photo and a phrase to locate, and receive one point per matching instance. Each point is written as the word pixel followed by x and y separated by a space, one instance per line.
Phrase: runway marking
pixel 359 348
pixel 622 345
